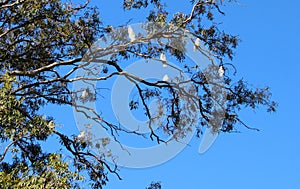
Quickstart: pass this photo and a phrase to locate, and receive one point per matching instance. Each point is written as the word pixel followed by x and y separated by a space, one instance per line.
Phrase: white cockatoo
pixel 196 44
pixel 221 71
pixel 163 58
pixel 84 94
pixel 131 34
pixel 166 77
pixel 81 135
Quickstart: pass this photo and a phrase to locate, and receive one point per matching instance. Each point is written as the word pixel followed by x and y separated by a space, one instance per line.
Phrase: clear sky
pixel 267 56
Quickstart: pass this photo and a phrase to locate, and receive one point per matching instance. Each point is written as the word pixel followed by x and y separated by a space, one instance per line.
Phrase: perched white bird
pixel 196 44
pixel 221 71
pixel 166 77
pixel 81 135
pixel 163 59
pixel 131 34
pixel 84 94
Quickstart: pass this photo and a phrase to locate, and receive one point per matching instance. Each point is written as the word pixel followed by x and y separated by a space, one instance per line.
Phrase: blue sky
pixel 267 56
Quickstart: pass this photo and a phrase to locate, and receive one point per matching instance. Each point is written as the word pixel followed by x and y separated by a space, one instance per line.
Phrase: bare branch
pixel 4 5
pixel 6 149
pixel 44 68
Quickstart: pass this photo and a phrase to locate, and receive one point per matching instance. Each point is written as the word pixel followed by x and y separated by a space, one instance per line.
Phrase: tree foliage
pixel 155 185
pixel 38 39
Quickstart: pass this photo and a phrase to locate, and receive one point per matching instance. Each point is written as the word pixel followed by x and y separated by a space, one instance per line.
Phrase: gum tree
pixel 39 39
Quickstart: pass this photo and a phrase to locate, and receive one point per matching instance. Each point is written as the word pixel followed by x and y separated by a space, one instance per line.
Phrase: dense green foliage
pixel 39 38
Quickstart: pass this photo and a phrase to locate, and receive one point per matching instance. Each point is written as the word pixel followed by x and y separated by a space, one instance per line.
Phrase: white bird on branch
pixel 131 34
pixel 166 77
pixel 81 135
pixel 221 71
pixel 163 59
pixel 84 94
pixel 196 44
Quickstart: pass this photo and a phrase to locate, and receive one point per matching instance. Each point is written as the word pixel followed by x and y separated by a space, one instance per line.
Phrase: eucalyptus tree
pixel 44 43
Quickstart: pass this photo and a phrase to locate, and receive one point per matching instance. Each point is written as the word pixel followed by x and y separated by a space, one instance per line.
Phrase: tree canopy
pixel 44 43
